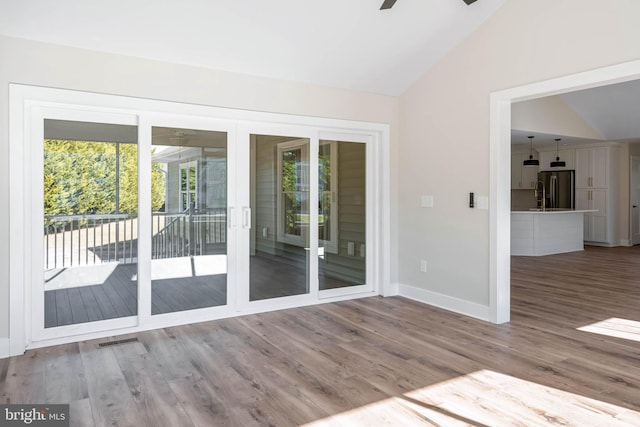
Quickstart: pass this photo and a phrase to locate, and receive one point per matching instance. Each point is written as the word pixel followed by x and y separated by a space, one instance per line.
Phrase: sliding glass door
pixel 90 225
pixel 133 220
pixel 188 219
pixel 297 248
pixel 342 215
pixel 158 219
pixel 280 234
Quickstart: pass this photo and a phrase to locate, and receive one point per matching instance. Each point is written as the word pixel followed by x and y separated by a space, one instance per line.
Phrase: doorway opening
pixel 500 142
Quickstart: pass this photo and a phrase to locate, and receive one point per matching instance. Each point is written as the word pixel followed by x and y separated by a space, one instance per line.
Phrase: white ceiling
pixel 341 43
pixel 612 110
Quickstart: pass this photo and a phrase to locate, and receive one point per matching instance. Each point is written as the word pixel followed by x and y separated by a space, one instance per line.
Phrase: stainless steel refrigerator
pixel 559 188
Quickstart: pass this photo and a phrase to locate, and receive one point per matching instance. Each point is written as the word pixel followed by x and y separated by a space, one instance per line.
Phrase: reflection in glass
pixel 342 214
pixel 189 203
pixel 280 202
pixel 325 177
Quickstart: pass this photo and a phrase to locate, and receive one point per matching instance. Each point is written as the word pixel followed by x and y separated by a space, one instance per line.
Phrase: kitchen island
pixel 546 232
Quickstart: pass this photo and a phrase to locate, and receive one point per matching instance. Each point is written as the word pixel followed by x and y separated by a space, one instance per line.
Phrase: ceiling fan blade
pixel 388 4
pixel 468 2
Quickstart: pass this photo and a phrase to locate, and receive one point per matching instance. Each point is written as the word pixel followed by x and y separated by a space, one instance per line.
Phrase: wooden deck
pixel 116 296
pixel 373 361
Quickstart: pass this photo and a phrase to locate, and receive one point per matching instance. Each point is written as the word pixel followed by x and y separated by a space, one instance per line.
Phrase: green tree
pixel 80 178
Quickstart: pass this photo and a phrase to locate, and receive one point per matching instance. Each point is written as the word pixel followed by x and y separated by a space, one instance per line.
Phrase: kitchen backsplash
pixel 522 200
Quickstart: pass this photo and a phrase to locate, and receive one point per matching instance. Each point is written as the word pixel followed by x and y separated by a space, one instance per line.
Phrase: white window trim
pixel 331 245
pixel 183 166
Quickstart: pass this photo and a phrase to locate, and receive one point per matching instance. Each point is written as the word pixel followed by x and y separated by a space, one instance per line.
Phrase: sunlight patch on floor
pixel 486 398
pixel 79 276
pixel 161 269
pixel 615 327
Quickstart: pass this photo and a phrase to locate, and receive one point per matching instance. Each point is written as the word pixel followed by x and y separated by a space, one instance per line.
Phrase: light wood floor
pixel 374 361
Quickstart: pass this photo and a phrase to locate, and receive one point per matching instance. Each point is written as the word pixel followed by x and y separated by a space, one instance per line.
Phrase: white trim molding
pixel 446 302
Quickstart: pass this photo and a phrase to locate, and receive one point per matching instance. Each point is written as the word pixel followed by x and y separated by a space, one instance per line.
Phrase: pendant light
pixel 557 163
pixel 531 161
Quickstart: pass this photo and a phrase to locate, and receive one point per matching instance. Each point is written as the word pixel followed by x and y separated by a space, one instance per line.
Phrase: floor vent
pixel 110 343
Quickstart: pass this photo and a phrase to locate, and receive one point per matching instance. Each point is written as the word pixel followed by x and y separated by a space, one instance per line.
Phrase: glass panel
pixel 342 214
pixel 90 222
pixel 189 219
pixel 279 263
pixel 324 192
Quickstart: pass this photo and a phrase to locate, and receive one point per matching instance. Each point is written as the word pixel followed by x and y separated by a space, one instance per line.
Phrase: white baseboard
pixel 4 348
pixel 610 245
pixel 456 305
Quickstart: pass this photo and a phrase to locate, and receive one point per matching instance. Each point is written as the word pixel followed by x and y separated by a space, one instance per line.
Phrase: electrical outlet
pixel 423 265
pixel 351 249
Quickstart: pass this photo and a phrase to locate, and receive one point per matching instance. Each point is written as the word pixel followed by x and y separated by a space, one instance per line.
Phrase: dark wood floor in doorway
pixel 570 356
pixel 115 296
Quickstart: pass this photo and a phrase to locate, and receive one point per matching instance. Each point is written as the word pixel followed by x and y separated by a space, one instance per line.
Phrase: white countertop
pixel 554 211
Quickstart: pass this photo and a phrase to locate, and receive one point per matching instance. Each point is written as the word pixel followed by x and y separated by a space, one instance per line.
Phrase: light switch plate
pixel 483 202
pixel 426 201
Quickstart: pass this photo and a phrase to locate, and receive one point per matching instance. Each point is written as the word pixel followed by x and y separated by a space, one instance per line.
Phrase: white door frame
pixel 34 156
pixel 500 163
pixel 371 284
pixel 245 206
pixel 634 181
pixel 25 100
pixel 145 124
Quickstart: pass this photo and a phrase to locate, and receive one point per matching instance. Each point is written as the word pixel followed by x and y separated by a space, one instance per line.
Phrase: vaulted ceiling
pixel 612 111
pixel 348 44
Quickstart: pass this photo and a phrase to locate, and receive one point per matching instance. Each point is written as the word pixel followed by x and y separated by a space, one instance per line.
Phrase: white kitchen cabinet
pixel 596 224
pixel 516 171
pixel 567 156
pixel 546 233
pixel 523 177
pixel 596 175
pixel 592 167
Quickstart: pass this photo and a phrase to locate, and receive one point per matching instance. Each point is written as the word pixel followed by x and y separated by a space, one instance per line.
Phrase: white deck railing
pixel 73 240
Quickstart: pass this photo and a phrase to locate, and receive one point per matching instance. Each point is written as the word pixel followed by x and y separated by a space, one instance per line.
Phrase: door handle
pixel 246 217
pixel 635 206
pixel 232 218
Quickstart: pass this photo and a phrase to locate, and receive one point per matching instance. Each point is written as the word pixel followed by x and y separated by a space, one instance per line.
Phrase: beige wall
pixel 47 65
pixel 445 126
